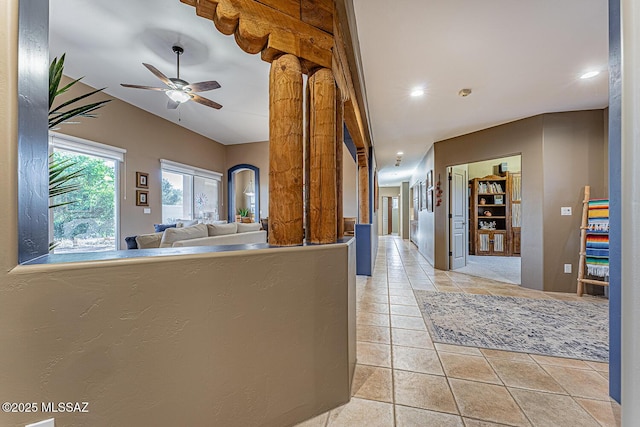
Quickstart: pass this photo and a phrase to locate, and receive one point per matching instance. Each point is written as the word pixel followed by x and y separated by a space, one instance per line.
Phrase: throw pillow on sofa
pixel 247 227
pixel 161 227
pixel 131 242
pixel 172 235
pixel 149 241
pixel 222 229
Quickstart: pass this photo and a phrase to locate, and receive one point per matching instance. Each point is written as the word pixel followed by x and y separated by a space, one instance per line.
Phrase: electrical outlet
pixel 46 423
pixel 567 268
pixel 565 211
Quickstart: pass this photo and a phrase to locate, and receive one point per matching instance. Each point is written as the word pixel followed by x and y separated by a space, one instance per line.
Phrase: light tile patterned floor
pixel 404 379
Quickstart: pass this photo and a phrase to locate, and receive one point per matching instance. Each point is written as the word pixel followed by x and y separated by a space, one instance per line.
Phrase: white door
pixel 458 213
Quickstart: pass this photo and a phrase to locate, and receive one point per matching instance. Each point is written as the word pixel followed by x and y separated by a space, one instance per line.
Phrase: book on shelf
pixel 490 187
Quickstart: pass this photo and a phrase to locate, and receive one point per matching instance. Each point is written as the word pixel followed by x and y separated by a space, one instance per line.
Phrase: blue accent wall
pixel 615 197
pixel 364 258
pixel 351 146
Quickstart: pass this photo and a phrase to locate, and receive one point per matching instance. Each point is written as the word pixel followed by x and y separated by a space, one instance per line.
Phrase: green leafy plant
pixel 62 172
pixel 56 115
pixel 243 212
pixel 61 179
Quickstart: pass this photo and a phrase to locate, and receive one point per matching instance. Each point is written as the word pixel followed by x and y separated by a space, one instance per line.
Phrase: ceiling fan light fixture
pixel 178 96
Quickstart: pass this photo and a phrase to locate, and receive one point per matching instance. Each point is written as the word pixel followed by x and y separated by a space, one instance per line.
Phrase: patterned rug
pixel 578 330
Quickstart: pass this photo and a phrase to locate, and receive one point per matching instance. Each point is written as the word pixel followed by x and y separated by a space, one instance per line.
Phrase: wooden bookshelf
pixel 490 220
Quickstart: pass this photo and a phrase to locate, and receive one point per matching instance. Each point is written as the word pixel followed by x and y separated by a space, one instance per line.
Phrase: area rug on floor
pixel 574 329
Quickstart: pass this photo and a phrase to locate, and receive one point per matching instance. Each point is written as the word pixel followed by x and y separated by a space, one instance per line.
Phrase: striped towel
pixel 598 241
pixel 598 213
pixel 598 267
pixel 598 253
pixel 598 226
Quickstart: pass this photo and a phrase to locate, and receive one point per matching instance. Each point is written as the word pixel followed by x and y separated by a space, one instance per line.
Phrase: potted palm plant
pixel 62 173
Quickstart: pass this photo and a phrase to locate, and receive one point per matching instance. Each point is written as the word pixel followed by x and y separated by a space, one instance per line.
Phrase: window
pixel 88 218
pixel 189 193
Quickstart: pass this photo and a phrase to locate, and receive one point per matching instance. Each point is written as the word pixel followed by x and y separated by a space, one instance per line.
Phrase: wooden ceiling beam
pixel 345 66
pixel 258 27
pixel 318 13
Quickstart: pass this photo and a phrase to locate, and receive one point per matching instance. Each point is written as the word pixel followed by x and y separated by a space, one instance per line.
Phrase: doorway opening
pixel 390 215
pixel 486 219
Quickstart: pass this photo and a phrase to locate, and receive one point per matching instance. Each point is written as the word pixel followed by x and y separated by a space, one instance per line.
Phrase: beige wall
pixel 147 139
pixel 561 152
pixel 574 156
pixel 349 185
pixel 426 225
pixel 255 154
pixel 489 167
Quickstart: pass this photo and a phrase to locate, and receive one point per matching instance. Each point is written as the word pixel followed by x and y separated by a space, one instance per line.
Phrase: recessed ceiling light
pixel 399 153
pixel 589 74
pixel 417 92
pixel 464 92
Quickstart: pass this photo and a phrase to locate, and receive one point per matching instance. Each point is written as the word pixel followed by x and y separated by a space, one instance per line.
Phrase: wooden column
pixel 363 186
pixel 339 164
pixel 285 152
pixel 321 148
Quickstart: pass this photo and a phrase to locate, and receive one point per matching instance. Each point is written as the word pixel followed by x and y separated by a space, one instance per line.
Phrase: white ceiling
pixel 520 58
pixel 108 40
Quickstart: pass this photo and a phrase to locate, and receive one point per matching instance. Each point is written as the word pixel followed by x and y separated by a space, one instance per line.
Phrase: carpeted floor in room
pixel 404 378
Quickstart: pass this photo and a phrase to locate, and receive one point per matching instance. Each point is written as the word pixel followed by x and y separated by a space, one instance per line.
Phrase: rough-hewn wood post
pixel 322 219
pixel 363 186
pixel 285 152
pixel 339 164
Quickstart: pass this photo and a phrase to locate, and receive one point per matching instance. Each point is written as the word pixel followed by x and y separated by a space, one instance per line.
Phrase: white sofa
pixel 204 235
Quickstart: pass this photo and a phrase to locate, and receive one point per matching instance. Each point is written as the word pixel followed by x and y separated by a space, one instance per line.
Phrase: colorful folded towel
pixel 598 226
pixel 598 213
pixel 598 241
pixel 598 253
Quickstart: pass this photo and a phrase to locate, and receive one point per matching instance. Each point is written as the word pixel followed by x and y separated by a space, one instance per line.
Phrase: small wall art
pixel 423 195
pixel 142 198
pixel 430 179
pixel 430 200
pixel 142 180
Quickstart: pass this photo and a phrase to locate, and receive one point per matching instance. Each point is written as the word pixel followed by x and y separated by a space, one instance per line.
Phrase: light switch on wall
pixel 565 211
pixel 567 268
pixel 147 210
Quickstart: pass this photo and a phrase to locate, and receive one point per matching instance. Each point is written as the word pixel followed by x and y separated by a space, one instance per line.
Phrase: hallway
pixel 403 378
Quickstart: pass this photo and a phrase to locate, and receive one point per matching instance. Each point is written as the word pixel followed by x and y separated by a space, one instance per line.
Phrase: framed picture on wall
pixel 430 179
pixel 423 195
pixel 430 200
pixel 142 198
pixel 142 180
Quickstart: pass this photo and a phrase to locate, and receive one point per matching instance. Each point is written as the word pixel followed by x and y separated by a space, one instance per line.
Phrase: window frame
pixel 193 171
pixel 91 148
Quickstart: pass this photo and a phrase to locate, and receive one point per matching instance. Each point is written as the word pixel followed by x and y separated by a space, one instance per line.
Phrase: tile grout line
pixel 393 375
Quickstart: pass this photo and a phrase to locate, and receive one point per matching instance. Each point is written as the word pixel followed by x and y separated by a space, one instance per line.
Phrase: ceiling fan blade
pixel 159 75
pixel 203 86
pixel 205 101
pixel 144 87
pixel 172 105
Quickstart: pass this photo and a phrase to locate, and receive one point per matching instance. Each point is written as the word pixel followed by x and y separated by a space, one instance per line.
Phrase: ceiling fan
pixel 178 90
